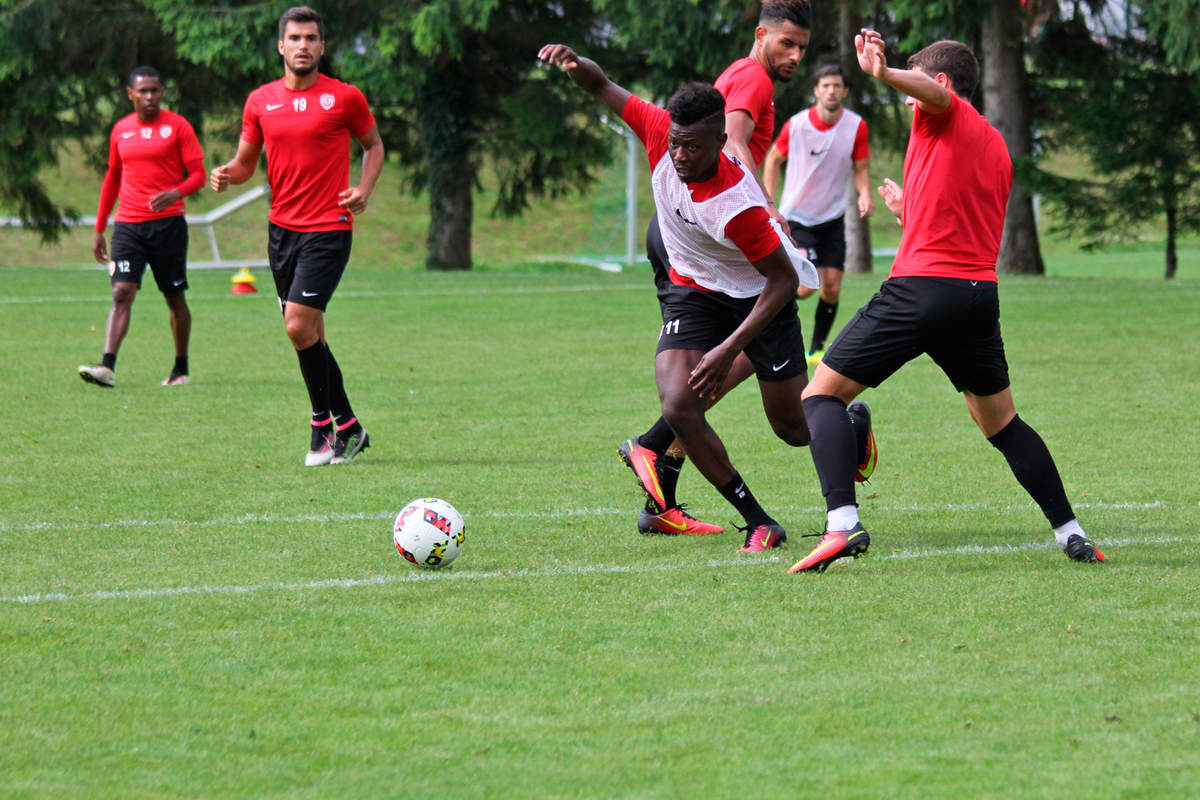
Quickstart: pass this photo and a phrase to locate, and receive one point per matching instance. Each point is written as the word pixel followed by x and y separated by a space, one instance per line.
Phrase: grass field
pixel 187 611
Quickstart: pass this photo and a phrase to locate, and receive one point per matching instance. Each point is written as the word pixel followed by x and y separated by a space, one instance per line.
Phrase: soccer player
pixel 305 120
pixel 748 85
pixel 154 161
pixel 940 298
pixel 732 279
pixel 825 147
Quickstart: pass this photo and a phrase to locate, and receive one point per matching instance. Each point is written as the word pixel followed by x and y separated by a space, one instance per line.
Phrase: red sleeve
pixel 651 125
pixel 195 177
pixel 192 158
pixel 251 130
pixel 753 93
pixel 781 141
pixel 751 231
pixel 359 118
pixel 861 150
pixel 111 188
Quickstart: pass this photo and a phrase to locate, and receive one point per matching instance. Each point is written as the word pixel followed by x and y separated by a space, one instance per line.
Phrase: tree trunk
pixel 446 127
pixel 858 232
pixel 1007 103
pixel 1172 221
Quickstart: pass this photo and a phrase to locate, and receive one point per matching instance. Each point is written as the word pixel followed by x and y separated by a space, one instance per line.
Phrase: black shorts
pixel 307 266
pixel 660 262
pixel 698 320
pixel 957 322
pixel 160 244
pixel 824 244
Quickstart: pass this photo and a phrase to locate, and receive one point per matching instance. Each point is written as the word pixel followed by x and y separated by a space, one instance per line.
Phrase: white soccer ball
pixel 429 532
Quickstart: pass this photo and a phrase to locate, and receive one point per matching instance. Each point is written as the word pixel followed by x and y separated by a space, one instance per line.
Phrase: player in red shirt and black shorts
pixel 305 120
pixel 154 161
pixel 748 86
pixel 941 298
pixel 733 279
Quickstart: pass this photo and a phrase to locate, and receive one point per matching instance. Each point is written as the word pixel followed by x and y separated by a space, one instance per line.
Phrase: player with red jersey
pixel 733 279
pixel 941 298
pixel 305 120
pixel 748 86
pixel 154 161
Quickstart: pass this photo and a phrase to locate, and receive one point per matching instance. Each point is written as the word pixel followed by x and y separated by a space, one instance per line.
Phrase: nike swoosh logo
pixel 273 107
pixel 775 368
pixel 177 283
pixel 127 134
pixel 308 294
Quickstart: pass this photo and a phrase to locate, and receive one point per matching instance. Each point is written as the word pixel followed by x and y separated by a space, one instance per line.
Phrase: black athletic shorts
pixel 660 262
pixel 698 320
pixel 160 244
pixel 824 244
pixel 307 266
pixel 957 322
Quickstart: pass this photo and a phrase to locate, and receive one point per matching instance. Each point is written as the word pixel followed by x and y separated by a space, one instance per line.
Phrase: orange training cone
pixel 243 282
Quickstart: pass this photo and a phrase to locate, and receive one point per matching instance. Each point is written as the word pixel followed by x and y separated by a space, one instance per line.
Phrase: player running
pixel 305 120
pixel 941 298
pixel 154 161
pixel 732 279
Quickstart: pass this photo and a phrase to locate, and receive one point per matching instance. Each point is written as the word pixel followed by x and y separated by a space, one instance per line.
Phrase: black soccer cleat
pixel 1081 548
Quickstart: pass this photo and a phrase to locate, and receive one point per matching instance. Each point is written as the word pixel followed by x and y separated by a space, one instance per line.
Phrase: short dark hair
pixel 301 14
pixel 797 12
pixel 697 103
pixel 143 72
pixel 829 71
pixel 953 58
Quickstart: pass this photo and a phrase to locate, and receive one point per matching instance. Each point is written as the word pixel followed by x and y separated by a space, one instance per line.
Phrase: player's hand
pixel 709 375
pixel 559 55
pixel 218 179
pixel 353 200
pixel 164 200
pixel 893 198
pixel 99 247
pixel 866 205
pixel 868 46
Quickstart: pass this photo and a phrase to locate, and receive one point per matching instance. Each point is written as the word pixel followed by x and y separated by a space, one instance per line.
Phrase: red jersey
pixel 145 158
pixel 306 134
pixel 747 87
pixel 957 175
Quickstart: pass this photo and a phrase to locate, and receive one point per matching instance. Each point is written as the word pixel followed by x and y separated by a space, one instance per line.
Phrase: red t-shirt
pixel 307 134
pixel 750 230
pixel 747 87
pixel 957 175
pixel 145 158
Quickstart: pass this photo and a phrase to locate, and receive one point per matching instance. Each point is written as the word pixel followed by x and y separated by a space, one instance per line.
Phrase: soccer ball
pixel 429 532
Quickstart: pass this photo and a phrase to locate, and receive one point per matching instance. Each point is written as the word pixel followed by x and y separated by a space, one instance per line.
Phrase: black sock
pixel 1034 468
pixel 822 322
pixel 739 496
pixel 658 438
pixel 338 402
pixel 314 367
pixel 109 360
pixel 181 366
pixel 834 448
pixel 668 477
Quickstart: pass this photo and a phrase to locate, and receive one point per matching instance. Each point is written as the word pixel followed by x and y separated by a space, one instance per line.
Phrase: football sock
pixel 658 438
pixel 338 402
pixel 1066 531
pixel 109 360
pixel 181 366
pixel 834 448
pixel 1034 468
pixel 668 477
pixel 314 367
pixel 739 496
pixel 822 322
pixel 843 518
pixel 321 420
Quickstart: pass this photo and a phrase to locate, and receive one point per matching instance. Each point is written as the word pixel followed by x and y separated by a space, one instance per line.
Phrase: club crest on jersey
pixel 165 131
pixel 327 101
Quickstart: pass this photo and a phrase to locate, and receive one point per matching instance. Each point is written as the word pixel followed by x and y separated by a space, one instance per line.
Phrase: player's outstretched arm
pixel 238 170
pixel 931 95
pixel 586 74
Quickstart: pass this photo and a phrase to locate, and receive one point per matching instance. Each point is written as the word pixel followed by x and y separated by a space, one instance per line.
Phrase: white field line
pixel 413 576
pixel 281 519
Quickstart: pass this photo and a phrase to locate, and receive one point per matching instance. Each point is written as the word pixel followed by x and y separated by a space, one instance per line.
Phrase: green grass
pixel 186 611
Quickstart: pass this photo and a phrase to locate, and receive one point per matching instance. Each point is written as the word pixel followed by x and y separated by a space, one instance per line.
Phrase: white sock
pixel 1066 531
pixel 843 518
